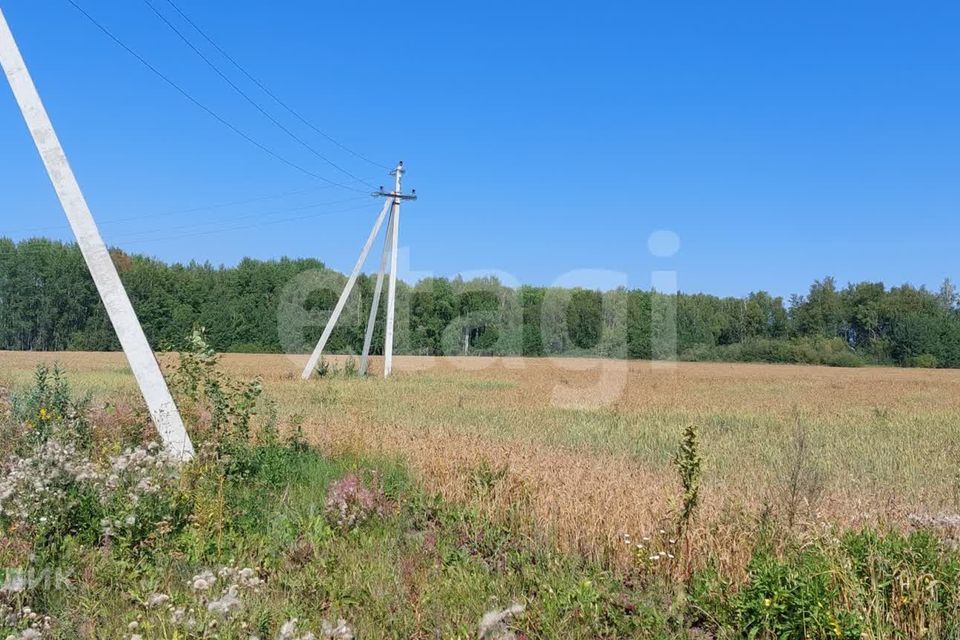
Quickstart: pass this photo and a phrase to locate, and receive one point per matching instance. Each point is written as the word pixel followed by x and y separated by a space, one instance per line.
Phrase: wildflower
pixel 350 502
pixel 493 624
pixel 288 629
pixel 340 631
pixel 766 602
pixel 157 600
pixel 226 604
pixel 203 581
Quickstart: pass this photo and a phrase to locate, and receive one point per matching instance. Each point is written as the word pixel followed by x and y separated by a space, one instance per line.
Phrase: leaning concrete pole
pixel 342 301
pixel 375 305
pixel 132 339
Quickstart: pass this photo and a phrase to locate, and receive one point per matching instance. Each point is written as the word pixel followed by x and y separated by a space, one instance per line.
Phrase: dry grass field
pixel 585 446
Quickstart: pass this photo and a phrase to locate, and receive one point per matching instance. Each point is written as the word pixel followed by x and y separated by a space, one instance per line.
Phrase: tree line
pixel 48 302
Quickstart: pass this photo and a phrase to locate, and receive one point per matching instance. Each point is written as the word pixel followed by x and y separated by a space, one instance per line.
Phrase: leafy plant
pixel 323 368
pixel 224 408
pixel 794 597
pixel 49 404
pixel 687 462
pixel 347 370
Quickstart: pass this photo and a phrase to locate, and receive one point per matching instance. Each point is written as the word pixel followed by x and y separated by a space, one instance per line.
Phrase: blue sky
pixel 780 141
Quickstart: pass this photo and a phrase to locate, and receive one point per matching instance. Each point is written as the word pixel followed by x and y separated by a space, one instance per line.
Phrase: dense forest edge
pixel 48 302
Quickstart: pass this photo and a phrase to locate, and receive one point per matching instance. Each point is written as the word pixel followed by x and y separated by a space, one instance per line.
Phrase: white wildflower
pixel 203 581
pixel 494 624
pixel 288 630
pixel 156 600
pixel 340 631
pixel 226 604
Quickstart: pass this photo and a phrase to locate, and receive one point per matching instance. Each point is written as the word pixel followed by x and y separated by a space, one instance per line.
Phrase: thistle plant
pixel 351 501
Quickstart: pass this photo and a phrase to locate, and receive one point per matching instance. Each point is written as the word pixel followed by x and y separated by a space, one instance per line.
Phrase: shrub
pixel 923 361
pixel 224 408
pixel 832 352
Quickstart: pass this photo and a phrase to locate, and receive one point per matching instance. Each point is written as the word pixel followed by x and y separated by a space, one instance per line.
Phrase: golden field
pixel 584 447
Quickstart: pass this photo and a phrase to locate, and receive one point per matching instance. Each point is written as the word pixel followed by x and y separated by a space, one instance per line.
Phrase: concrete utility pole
pixel 392 286
pixel 389 257
pixel 375 304
pixel 122 316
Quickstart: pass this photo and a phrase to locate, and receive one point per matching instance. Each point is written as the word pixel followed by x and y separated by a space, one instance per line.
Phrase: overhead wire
pixel 243 216
pixel 204 107
pixel 270 93
pixel 136 238
pixel 137 235
pixel 250 100
pixel 175 212
pixel 255 225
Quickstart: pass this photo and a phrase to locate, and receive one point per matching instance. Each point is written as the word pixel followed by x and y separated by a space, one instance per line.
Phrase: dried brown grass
pixel 586 444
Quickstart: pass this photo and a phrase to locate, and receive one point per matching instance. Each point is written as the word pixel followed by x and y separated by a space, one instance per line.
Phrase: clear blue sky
pixel 781 141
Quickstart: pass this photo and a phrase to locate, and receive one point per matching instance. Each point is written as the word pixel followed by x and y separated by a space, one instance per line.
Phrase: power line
pixel 270 93
pixel 247 226
pixel 247 97
pixel 253 214
pixel 176 212
pixel 205 108
pixel 136 238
